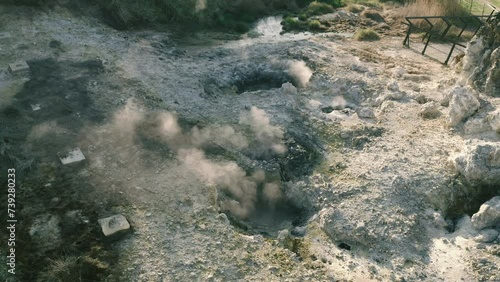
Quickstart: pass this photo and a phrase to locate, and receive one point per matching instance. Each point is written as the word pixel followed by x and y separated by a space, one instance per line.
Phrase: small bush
pixel 314 24
pixel 292 24
pixel 303 17
pixel 367 35
pixel 353 8
pixel 317 8
pixel 373 15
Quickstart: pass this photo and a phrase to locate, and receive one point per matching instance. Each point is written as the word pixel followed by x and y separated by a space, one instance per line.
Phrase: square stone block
pixel 72 157
pixel 19 68
pixel 113 225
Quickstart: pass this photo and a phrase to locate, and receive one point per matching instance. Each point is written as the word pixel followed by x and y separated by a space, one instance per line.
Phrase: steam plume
pixel 268 136
pixel 300 72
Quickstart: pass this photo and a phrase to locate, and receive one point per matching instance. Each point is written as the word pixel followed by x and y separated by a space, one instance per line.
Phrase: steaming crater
pixel 268 217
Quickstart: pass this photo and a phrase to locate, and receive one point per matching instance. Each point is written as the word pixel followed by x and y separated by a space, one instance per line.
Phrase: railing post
pixel 449 55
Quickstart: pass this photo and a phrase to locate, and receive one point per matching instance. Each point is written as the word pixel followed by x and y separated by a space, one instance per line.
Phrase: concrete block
pixel 114 225
pixel 19 68
pixel 72 157
pixel 36 107
pixel 5 37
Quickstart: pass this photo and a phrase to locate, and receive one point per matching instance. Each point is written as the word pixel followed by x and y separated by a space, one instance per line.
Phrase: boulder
pixel 486 236
pixel 463 104
pixel 430 110
pixel 488 215
pixel 476 126
pixel 479 162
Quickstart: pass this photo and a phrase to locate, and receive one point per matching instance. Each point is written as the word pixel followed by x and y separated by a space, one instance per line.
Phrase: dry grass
pixel 354 8
pixel 366 35
pixel 433 8
pixel 418 8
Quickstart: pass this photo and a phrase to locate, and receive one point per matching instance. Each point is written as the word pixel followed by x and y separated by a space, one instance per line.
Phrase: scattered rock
pixel 463 104
pixel 488 215
pixel 430 111
pixel 366 113
pixel 476 126
pixel 299 231
pixel 114 225
pixel 393 86
pixel 486 236
pixel 372 15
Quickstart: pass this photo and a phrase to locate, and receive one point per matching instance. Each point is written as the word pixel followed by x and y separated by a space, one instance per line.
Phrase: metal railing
pixel 450 21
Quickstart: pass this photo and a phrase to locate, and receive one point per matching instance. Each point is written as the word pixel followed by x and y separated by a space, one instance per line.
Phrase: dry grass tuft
pixel 367 35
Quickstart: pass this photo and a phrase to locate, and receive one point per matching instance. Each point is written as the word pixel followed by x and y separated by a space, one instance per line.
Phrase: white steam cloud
pixel 338 103
pixel 226 176
pixel 268 136
pixel 200 5
pixel 300 72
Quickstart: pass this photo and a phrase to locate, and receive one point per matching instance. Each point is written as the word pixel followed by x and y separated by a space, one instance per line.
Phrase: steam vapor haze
pixel 227 175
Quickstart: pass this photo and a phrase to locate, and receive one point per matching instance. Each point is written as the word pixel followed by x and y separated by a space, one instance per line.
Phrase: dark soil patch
pixel 44 185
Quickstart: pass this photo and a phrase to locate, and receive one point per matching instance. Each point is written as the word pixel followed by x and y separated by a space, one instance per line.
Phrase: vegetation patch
pixel 354 8
pixel 367 34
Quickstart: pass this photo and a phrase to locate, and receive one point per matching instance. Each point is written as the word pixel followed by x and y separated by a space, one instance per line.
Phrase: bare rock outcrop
pixel 463 104
pixel 479 163
pixel 481 66
pixel 488 215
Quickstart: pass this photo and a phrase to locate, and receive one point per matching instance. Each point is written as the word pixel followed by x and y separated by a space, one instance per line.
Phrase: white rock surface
pixel 366 113
pixel 480 162
pixel 488 215
pixel 494 120
pixel 463 104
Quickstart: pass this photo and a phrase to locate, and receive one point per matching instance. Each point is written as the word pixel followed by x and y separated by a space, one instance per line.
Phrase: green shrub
pixel 291 23
pixel 314 24
pixel 367 35
pixel 303 17
pixel 317 8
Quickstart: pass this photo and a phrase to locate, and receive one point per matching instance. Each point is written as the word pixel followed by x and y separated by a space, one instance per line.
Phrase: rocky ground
pixel 294 157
